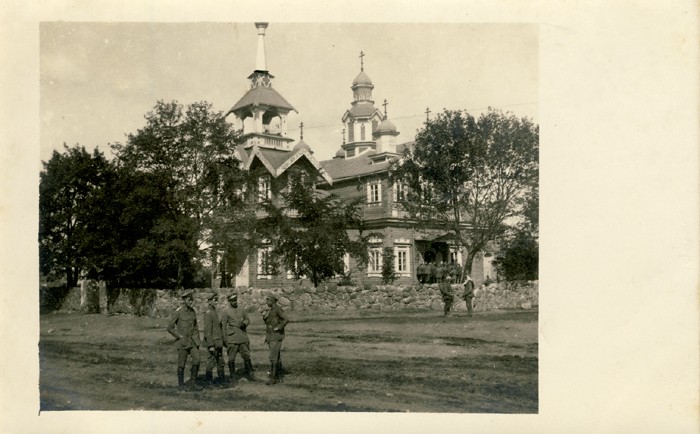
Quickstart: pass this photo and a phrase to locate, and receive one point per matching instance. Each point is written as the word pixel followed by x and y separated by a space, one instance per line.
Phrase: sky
pixel 98 80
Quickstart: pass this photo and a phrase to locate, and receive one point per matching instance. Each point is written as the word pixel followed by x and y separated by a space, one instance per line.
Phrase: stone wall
pixel 330 297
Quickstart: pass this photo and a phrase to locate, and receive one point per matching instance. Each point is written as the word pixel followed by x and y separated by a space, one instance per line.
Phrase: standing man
pixel 447 295
pixel 235 322
pixel 213 341
pixel 183 326
pixel 275 321
pixel 469 294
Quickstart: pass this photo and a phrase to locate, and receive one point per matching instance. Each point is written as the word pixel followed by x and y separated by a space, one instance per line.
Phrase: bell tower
pixel 262 112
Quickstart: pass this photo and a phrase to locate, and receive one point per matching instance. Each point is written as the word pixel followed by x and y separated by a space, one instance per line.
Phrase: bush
pixel 388 271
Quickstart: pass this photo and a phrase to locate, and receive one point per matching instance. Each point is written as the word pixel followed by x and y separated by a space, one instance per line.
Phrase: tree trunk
pixel 468 261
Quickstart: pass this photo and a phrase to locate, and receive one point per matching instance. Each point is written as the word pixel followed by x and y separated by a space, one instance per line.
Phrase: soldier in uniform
pixel 183 326
pixel 275 322
pixel 447 295
pixel 213 341
pixel 469 294
pixel 235 322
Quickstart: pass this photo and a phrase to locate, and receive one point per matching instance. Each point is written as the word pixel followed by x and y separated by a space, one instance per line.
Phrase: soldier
pixel 235 322
pixel 183 326
pixel 469 294
pixel 275 321
pixel 213 341
pixel 447 295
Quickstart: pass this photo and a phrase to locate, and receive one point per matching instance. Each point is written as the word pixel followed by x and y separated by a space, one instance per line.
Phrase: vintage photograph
pixel 255 216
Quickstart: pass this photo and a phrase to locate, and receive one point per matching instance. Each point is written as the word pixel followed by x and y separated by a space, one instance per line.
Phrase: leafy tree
pixel 193 148
pixel 388 271
pixel 308 231
pixel 468 176
pixel 70 183
pixel 518 259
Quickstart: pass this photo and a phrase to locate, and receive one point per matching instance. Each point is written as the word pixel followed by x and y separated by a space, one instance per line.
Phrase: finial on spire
pixel 385 104
pixel 362 61
pixel 343 136
pixel 427 114
pixel 301 131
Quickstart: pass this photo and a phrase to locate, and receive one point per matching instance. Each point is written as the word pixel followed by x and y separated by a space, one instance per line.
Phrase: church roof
pixel 302 145
pixel 361 165
pixel 386 126
pixel 261 95
pixel 362 79
pixel 278 161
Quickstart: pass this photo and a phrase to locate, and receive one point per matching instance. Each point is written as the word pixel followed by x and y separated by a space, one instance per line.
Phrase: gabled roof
pixel 348 168
pixel 277 162
pixel 261 95
pixel 363 110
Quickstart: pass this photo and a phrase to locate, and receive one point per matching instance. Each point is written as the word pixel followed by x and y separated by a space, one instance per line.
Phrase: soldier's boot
pixel 221 373
pixel 248 370
pixel 232 370
pixel 209 377
pixel 181 378
pixel 194 372
pixel 281 372
pixel 273 374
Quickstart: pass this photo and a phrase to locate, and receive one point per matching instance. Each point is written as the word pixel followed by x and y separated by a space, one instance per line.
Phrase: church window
pixel 374 192
pixel 265 269
pixel 374 266
pixel 264 191
pixel 401 254
pixel 351 131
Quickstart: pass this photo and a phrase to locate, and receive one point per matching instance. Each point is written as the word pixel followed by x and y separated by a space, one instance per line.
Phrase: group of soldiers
pixel 226 331
pixel 448 296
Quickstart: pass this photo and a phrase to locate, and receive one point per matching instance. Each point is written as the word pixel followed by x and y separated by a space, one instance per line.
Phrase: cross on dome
pixel 427 114
pixel 301 131
pixel 385 104
pixel 362 61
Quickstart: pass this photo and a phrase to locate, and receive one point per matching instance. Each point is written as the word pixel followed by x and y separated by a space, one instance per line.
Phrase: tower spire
pixel 260 63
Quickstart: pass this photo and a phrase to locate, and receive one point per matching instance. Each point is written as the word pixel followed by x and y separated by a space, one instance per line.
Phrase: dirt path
pixel 360 361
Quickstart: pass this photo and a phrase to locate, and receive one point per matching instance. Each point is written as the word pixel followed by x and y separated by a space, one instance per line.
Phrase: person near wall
pixel 469 294
pixel 447 294
pixel 275 321
pixel 213 341
pixel 183 327
pixel 235 323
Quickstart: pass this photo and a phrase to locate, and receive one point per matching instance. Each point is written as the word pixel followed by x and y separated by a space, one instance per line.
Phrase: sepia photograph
pixel 289 217
pixel 325 217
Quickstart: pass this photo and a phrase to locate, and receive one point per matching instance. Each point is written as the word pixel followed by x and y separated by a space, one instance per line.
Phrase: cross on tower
pixel 427 114
pixel 301 131
pixel 343 136
pixel 385 104
pixel 362 61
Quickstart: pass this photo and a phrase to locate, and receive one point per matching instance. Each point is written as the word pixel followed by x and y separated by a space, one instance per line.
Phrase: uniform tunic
pixel 234 322
pixel 213 336
pixel 183 326
pixel 275 318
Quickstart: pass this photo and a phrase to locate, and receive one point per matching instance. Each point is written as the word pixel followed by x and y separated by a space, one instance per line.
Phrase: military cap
pixel 273 296
pixel 213 296
pixel 187 294
pixel 232 297
pixel 448 278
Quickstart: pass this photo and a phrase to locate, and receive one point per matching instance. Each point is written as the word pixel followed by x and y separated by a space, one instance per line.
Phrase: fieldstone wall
pixel 329 297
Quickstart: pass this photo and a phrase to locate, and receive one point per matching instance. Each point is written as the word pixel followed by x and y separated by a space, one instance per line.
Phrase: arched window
pixel 362 132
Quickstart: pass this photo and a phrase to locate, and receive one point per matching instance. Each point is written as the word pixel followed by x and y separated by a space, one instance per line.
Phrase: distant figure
pixel 447 295
pixel 213 341
pixel 469 294
pixel 183 326
pixel 235 322
pixel 275 321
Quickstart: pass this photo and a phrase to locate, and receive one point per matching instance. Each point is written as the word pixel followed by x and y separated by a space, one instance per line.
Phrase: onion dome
pixel 302 145
pixel 362 79
pixel 340 153
pixel 386 126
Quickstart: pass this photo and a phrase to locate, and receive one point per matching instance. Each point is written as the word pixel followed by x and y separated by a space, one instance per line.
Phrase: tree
pixel 469 177
pixel 194 149
pixel 70 183
pixel 388 270
pixel 308 233
pixel 518 259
